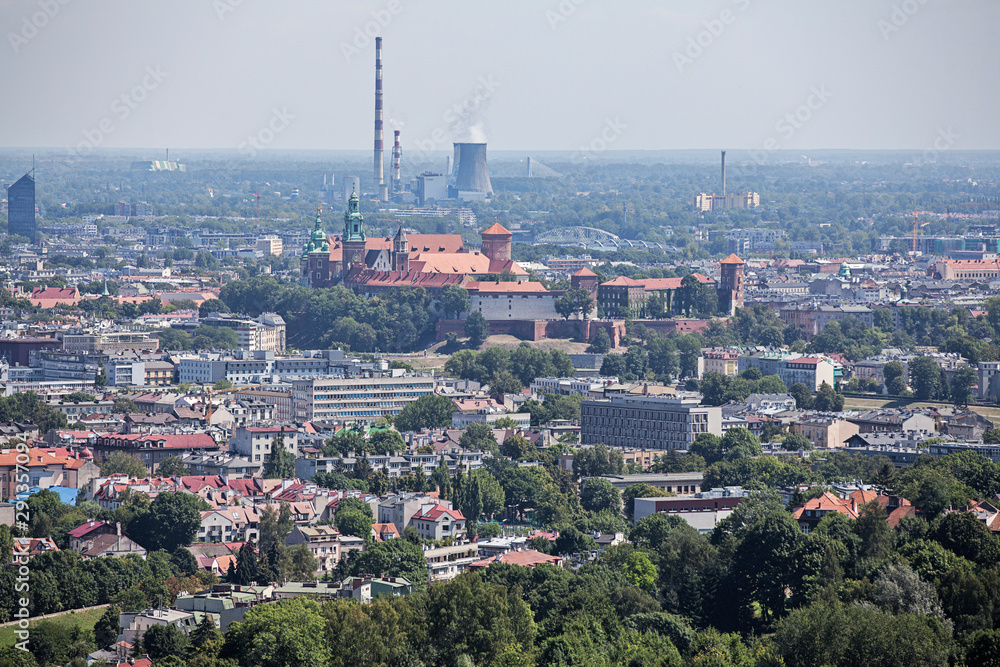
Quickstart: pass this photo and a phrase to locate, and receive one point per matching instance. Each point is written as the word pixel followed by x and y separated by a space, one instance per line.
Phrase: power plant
pixel 471 178
pixel 381 188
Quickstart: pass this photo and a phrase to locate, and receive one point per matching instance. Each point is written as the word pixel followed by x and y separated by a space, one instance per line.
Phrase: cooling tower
pixel 471 174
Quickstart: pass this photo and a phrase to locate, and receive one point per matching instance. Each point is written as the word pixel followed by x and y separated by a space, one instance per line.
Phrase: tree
pixel 280 634
pixel 893 374
pixel 454 300
pixel 575 301
pixel 121 463
pixel 354 522
pixel 597 461
pixel 477 328
pixel 572 541
pixel 280 463
pixel 172 520
pixel 613 365
pixel 634 491
pixel 204 633
pixel 393 558
pixel 160 641
pixel 963 379
pixel 802 395
pixel 478 438
pixel 599 495
pixel 222 385
pixel 172 466
pixel 124 406
pixel 797 442
pixel 740 443
pixel 827 400
pixel 925 377
pixel 106 629
pixel 428 411
pixel 519 448
pixel 639 571
pixel 601 344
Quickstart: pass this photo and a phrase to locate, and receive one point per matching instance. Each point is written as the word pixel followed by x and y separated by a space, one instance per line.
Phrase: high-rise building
pixel 21 207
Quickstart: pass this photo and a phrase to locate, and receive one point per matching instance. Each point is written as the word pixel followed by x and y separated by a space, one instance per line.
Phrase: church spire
pixel 354 228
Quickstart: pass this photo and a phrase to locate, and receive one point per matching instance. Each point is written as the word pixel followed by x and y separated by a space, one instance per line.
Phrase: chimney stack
pixel 382 190
pixel 397 163
pixel 723 175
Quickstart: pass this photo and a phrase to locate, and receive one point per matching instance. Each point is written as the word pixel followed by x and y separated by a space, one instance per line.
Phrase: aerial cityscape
pixel 492 335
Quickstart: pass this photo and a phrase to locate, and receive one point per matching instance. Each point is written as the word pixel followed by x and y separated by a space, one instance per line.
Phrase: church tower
pixel 354 236
pixel 400 252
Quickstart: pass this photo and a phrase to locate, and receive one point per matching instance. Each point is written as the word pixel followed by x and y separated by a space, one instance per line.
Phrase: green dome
pixel 317 240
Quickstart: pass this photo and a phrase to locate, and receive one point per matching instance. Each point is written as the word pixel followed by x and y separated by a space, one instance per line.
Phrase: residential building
pixel 152 448
pixel 229 524
pixel 356 399
pixel 267 332
pixel 680 483
pixel 439 522
pixel 648 422
pixel 587 387
pixel 323 542
pixel 254 443
pixel 724 362
pixel 269 245
pixel 111 343
pixel 824 431
pixel 703 511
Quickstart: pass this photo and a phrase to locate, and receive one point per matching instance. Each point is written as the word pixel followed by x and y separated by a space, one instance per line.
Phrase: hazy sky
pixel 530 74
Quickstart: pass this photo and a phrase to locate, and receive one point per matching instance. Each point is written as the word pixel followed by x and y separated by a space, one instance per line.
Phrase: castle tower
pixel 730 288
pixel 497 242
pixel 354 236
pixel 584 279
pixel 400 252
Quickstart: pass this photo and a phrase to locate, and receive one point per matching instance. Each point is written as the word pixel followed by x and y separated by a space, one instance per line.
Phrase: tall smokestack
pixel 723 175
pixel 397 162
pixel 382 190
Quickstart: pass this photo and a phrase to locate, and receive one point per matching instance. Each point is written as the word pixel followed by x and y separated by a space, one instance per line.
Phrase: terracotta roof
pixel 509 287
pixel 496 229
pixel 828 503
pixel 526 558
pixel 585 272
pixel 436 512
pixel 813 361
pixel 732 259
pixel 622 280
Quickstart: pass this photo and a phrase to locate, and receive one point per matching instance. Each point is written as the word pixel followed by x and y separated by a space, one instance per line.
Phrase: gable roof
pixel 438 511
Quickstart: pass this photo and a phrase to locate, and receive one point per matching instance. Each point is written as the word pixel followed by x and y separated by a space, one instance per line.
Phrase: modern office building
pixel 356 398
pixel 21 207
pixel 648 422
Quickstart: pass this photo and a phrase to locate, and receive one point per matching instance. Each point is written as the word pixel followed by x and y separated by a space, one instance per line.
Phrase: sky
pixel 576 75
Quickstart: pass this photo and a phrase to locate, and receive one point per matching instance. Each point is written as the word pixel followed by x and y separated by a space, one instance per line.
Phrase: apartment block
pixel 648 422
pixel 356 398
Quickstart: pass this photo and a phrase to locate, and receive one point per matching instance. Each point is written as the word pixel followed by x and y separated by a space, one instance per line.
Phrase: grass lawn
pixel 83 619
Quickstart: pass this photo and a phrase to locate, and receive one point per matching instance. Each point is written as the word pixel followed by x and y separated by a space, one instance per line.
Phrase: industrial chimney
pixel 381 189
pixel 471 174
pixel 397 161
pixel 723 175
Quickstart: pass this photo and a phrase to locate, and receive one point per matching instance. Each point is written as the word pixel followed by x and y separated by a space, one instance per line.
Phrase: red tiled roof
pixel 585 273
pixel 436 512
pixel 526 558
pixel 507 287
pixel 86 528
pixel 622 280
pixel 496 230
pixel 732 259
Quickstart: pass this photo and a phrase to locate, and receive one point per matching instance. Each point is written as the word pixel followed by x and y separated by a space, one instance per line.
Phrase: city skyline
pixel 255 77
